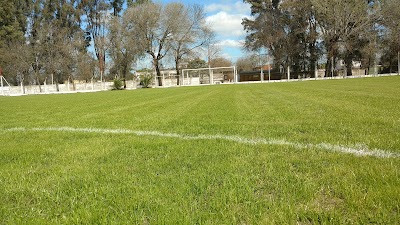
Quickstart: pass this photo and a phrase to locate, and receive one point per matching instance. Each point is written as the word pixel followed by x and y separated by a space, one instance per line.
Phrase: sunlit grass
pixel 76 177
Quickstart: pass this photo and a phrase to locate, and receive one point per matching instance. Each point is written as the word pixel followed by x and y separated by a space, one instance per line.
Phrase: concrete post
pixel 262 74
pixel 163 79
pixel 269 69
pixel 212 77
pixel 315 71
pixel 398 62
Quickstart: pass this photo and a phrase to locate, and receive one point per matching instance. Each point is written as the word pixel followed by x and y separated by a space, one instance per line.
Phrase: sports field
pixel 315 152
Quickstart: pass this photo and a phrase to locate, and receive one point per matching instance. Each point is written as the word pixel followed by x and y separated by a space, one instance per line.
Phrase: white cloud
pixel 238 7
pixel 226 21
pixel 231 43
pixel 225 24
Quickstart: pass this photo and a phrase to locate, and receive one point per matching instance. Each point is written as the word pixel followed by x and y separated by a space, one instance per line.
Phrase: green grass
pixel 53 177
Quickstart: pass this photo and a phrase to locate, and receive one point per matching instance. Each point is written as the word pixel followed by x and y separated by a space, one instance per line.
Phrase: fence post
pixel 398 62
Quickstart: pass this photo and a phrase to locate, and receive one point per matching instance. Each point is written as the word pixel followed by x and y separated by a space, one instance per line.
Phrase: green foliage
pixel 12 21
pixel 117 84
pixel 146 80
pixel 197 63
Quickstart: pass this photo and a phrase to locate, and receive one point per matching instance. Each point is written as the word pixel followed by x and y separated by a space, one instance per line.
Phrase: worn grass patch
pixel 50 176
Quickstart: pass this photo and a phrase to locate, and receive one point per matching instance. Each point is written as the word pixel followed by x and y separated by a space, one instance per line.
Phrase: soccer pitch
pixel 315 152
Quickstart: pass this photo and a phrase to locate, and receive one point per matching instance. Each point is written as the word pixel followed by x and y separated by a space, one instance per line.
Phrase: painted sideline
pixel 359 150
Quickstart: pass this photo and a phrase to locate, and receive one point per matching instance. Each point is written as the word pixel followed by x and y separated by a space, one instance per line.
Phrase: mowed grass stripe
pixel 360 150
pixel 196 159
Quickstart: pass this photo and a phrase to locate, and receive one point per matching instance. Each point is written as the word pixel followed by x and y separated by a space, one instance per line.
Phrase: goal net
pixel 215 75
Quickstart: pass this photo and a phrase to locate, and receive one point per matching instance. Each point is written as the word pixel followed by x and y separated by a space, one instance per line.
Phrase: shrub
pixel 146 80
pixel 117 84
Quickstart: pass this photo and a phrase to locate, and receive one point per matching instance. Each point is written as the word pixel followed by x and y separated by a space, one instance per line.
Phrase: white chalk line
pixel 359 150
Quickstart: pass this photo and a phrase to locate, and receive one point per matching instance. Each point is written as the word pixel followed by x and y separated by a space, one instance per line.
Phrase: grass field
pixel 316 152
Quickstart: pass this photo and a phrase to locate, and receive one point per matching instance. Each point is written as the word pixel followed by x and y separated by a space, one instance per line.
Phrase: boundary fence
pixel 6 90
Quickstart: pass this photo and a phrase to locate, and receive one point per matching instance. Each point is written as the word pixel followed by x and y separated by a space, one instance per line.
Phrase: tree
pixel 287 29
pixel 137 2
pixel 342 23
pixel 12 27
pixel 390 20
pixel 247 63
pixel 197 63
pixel 17 62
pixel 154 26
pixel 55 37
pixel 212 49
pixel 85 67
pixel 117 6
pixel 96 15
pixel 12 20
pixel 220 62
pixel 123 50
pixel 191 33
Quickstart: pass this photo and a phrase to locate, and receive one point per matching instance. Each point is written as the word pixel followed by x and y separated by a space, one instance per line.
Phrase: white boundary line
pixel 359 150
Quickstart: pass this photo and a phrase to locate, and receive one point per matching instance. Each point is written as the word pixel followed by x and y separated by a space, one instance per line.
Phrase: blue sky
pixel 225 17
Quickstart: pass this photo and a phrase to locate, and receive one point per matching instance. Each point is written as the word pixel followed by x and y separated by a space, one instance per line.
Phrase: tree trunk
pixel 349 65
pixel 313 61
pixel 177 72
pixel 124 72
pixel 155 62
pixel 328 67
pixel 38 82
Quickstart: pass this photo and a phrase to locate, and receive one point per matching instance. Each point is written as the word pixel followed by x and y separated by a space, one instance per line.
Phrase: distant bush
pixel 117 84
pixel 146 80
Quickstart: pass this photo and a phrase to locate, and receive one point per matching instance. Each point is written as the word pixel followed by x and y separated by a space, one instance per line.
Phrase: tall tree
pixel 191 33
pixel 96 18
pixel 137 2
pixel 13 20
pixel 390 20
pixel 124 50
pixel 287 29
pixel 53 33
pixel 117 6
pixel 247 63
pixel 342 23
pixel 154 26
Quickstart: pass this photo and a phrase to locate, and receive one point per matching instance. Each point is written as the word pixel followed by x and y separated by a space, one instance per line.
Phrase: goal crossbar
pixel 211 72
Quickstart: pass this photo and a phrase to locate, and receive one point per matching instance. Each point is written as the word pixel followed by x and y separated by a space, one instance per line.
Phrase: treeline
pixel 301 33
pixel 83 39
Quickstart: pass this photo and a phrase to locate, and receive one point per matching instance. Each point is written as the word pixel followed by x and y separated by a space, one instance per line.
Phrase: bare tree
pixel 161 28
pixel 247 63
pixel 191 33
pixel 212 48
pixel 18 60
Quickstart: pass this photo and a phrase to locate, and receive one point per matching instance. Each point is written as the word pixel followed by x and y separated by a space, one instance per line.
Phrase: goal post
pixel 210 76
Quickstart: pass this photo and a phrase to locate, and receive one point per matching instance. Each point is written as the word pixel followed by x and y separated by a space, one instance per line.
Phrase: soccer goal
pixel 4 90
pixel 215 75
